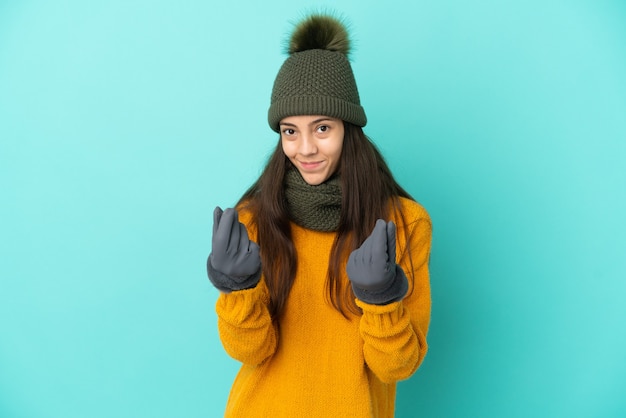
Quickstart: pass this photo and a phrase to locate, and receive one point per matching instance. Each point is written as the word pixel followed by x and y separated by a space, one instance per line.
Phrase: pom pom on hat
pixel 316 78
pixel 320 32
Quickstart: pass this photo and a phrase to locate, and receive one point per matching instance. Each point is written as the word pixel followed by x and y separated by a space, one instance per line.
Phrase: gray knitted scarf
pixel 313 207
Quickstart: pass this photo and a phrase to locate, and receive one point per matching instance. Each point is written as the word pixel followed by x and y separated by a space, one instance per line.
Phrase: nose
pixel 307 145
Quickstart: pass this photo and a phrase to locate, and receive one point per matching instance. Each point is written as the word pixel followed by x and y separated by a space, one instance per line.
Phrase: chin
pixel 314 180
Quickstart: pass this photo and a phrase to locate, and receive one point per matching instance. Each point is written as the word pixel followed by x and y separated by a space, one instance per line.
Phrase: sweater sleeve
pixel 246 329
pixel 394 335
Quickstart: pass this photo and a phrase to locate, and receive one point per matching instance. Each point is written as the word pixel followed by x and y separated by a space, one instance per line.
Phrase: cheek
pixel 337 148
pixel 287 148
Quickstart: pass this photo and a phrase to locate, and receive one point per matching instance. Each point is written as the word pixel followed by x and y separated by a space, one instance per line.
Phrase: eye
pixel 288 131
pixel 323 128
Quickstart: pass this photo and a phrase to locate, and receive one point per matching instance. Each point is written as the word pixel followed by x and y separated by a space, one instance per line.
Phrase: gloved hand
pixel 234 262
pixel 372 268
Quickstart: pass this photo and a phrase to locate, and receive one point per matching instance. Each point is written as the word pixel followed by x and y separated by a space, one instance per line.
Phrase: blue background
pixel 123 123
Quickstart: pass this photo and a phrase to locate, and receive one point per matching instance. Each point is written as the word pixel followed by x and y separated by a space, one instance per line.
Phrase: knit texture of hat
pixel 317 78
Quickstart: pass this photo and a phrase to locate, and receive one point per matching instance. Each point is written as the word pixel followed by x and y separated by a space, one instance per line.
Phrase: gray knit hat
pixel 317 78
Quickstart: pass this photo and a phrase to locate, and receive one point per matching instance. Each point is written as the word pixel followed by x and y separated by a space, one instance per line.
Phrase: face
pixel 313 144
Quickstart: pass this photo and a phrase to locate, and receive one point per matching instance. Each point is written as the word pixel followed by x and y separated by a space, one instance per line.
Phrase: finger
pixel 222 236
pixel 391 241
pixel 244 241
pixel 378 250
pixel 217 215
pixel 235 231
pixel 253 247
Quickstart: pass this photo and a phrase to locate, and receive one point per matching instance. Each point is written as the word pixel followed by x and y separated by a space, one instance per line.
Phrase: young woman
pixel 323 265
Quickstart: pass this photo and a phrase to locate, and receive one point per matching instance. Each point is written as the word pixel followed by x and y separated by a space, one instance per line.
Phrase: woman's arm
pixel 234 267
pixel 245 325
pixel 394 335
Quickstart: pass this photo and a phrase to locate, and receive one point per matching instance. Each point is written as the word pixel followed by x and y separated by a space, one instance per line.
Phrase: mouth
pixel 310 165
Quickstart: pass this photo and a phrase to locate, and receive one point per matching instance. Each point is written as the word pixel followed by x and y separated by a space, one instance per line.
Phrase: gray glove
pixel 234 262
pixel 372 268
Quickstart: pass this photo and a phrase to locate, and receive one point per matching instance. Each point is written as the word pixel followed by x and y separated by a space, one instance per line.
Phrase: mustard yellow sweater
pixel 320 364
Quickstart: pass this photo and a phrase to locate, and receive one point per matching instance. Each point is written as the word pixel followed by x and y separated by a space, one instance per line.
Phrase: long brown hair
pixel 368 187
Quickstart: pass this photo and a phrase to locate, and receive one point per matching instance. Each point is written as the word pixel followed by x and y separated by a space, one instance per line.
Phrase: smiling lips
pixel 309 165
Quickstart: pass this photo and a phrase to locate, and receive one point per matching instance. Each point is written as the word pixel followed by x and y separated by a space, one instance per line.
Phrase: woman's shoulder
pixel 411 212
pixel 413 224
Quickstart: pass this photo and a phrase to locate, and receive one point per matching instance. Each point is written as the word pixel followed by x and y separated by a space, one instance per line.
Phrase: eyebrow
pixel 312 123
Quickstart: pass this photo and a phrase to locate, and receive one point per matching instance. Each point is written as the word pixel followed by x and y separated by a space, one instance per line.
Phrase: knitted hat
pixel 317 78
